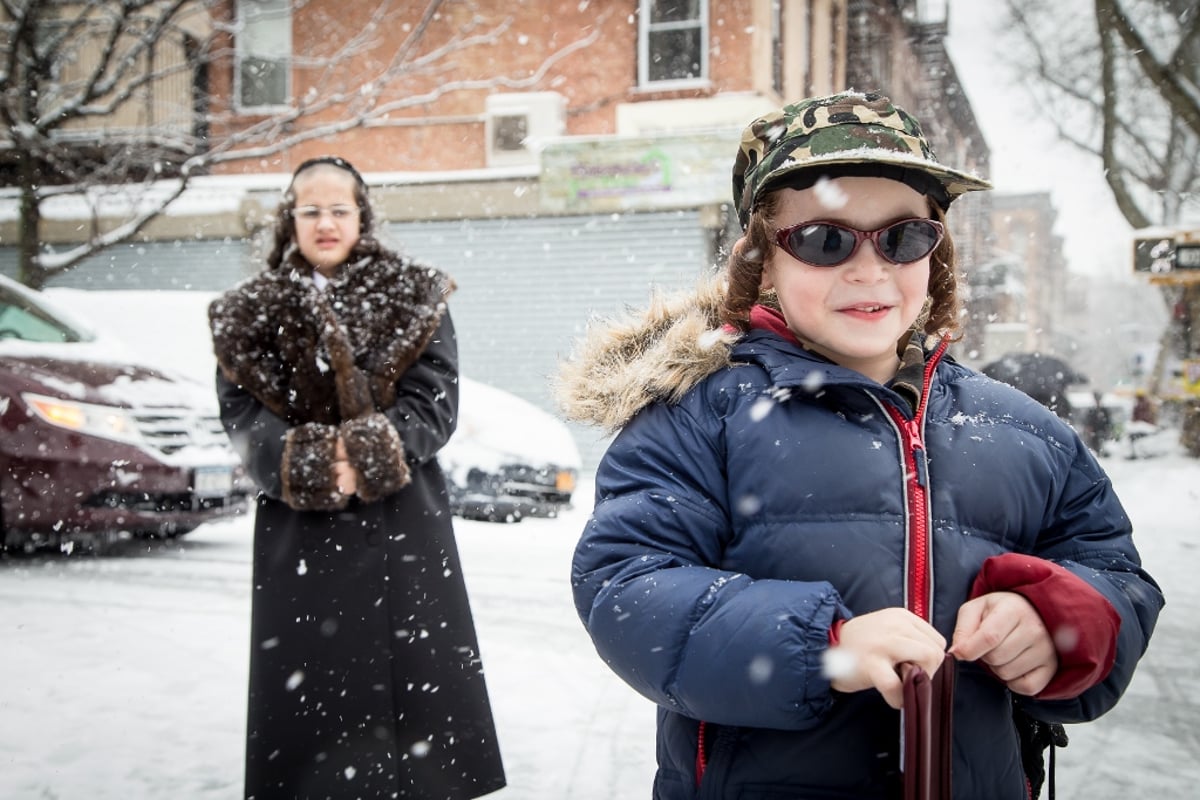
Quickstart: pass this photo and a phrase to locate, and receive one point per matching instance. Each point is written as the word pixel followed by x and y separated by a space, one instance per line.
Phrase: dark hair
pixel 284 253
pixel 745 269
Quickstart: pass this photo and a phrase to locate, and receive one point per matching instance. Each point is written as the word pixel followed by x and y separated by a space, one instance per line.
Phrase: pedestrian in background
pixel 1097 424
pixel 338 384
pixel 1143 422
pixel 806 492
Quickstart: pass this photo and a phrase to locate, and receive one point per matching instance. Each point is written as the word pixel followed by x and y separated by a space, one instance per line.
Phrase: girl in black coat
pixel 338 384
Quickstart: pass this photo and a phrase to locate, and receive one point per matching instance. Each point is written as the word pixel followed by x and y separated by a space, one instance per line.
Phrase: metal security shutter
pixel 527 287
pixel 200 265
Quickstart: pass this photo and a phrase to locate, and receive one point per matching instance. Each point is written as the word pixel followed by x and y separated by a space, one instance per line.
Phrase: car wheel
pixel 12 542
pixel 4 545
pixel 166 531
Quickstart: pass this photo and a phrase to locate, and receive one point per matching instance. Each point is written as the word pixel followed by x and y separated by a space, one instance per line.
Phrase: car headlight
pixel 107 422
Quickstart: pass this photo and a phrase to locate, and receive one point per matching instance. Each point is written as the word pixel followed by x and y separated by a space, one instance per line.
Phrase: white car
pixel 508 459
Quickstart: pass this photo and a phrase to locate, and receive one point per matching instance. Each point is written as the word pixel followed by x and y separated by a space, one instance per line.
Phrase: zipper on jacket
pixel 717 742
pixel 916 480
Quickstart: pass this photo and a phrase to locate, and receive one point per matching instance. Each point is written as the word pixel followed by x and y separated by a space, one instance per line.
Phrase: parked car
pixel 93 444
pixel 508 459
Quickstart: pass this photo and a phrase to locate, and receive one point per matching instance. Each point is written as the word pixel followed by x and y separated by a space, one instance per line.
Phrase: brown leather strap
pixel 927 717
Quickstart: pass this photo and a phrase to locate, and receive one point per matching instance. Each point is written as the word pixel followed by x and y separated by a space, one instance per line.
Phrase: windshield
pixel 21 319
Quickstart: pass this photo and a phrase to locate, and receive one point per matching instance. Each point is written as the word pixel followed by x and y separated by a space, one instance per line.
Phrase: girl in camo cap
pixel 806 494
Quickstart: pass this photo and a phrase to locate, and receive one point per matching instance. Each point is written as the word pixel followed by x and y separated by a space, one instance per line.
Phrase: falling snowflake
pixel 709 339
pixel 749 504
pixel 760 669
pixel 838 663
pixel 829 194
pixel 761 408
pixel 1066 638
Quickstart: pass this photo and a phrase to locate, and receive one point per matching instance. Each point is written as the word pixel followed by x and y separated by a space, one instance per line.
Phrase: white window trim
pixel 644 82
pixel 239 7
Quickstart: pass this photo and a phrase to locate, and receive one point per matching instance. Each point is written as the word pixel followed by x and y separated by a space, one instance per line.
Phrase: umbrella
pixel 1043 377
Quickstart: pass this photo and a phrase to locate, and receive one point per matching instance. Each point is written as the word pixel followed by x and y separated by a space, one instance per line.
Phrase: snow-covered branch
pixel 101 93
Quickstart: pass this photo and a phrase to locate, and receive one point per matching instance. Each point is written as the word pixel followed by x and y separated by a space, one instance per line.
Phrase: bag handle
pixel 927 731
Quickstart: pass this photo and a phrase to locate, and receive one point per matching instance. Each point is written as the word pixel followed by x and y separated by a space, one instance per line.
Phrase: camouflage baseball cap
pixel 843 134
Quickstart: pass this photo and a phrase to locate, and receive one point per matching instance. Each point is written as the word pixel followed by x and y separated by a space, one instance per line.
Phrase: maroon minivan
pixel 94 446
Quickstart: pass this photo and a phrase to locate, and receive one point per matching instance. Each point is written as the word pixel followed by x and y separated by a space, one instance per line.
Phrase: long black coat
pixel 365 674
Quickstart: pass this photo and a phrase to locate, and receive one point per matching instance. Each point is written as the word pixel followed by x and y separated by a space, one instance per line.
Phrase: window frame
pixel 240 54
pixel 646 29
pixel 778 56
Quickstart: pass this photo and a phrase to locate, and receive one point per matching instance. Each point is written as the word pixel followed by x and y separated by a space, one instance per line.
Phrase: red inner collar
pixel 764 318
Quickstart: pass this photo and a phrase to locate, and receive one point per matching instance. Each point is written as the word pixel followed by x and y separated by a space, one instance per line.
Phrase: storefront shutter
pixel 527 287
pixel 185 265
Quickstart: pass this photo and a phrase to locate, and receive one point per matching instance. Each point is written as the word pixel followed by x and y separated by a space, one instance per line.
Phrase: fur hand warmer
pixel 307 469
pixel 373 446
pixel 354 393
pixel 376 451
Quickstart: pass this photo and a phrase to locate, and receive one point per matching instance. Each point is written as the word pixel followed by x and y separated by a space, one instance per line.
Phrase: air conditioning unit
pixel 516 122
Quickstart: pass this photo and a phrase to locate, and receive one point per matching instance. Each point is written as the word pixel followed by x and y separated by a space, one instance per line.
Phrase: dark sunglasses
pixel 827 244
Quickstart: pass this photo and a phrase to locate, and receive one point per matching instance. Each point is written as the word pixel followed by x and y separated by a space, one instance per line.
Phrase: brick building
pixel 558 157
pixel 1022 294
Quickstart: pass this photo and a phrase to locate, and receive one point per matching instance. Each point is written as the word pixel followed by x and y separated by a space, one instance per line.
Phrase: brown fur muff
pixel 327 362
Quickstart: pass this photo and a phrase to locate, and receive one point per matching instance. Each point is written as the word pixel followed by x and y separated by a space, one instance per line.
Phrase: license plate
pixel 212 481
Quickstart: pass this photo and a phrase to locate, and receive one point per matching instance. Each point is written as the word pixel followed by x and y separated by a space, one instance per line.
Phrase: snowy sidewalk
pixel 124 677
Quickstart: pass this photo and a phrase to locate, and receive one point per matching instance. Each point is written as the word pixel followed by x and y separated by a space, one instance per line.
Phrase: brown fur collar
pixel 621 366
pixel 325 356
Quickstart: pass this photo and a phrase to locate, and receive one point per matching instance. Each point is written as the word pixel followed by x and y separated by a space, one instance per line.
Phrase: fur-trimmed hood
pixel 313 355
pixel 622 365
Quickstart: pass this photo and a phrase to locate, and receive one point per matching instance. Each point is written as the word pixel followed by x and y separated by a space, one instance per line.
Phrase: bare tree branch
pixel 1113 173
pixel 121 80
pixel 52 264
pixel 66 70
pixel 1179 94
pixel 1135 74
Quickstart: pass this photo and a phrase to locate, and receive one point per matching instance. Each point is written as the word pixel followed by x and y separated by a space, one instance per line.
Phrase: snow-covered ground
pixel 123 677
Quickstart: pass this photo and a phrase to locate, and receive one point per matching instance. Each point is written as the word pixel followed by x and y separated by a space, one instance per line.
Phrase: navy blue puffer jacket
pixel 731 529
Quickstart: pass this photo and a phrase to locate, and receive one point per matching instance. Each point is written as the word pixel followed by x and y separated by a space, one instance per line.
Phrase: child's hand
pixel 872 647
pixel 1005 632
pixel 344 473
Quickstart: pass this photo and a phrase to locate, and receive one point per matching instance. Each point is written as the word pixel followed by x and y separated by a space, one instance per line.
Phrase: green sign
pixel 629 174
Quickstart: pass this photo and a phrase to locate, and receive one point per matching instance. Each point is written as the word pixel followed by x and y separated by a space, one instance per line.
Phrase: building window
pixel 672 42
pixel 836 22
pixel 264 51
pixel 777 46
pixel 509 132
